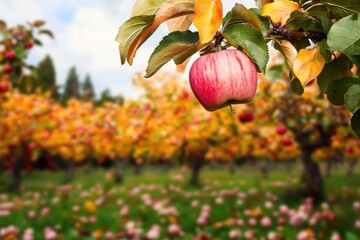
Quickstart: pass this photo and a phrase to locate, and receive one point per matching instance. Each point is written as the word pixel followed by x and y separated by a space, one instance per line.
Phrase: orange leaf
pixel 166 11
pixel 207 18
pixel 308 65
pixel 289 51
pixel 279 11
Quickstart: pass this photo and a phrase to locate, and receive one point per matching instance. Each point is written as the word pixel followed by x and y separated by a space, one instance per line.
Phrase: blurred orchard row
pixel 165 124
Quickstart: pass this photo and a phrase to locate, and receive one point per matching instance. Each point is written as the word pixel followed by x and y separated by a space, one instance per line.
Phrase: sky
pixel 85 32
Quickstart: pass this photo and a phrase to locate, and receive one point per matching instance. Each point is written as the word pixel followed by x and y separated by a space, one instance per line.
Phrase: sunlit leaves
pixel 208 18
pixel 139 28
pixel 308 65
pixel 288 50
pixel 129 31
pixel 146 7
pixel 279 11
pixel 180 23
pixel 344 35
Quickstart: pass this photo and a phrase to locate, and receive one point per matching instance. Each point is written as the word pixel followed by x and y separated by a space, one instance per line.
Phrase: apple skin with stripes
pixel 223 78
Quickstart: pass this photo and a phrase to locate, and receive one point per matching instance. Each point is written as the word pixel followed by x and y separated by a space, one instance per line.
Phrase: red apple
pixel 10 55
pixel 246 117
pixel 223 78
pixel 7 68
pixel 349 150
pixel 287 142
pixel 4 86
pixel 281 130
pixel 28 45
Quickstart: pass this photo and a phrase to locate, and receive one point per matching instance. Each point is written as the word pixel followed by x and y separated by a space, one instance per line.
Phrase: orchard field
pixel 161 205
pixel 254 136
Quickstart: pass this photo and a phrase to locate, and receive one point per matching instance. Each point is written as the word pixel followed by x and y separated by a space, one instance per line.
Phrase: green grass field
pixel 94 207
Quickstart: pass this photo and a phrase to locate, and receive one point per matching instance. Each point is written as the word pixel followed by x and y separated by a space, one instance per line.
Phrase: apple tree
pixel 15 44
pixel 309 34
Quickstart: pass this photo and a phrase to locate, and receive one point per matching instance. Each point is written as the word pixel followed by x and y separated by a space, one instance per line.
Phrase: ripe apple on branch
pixel 307 33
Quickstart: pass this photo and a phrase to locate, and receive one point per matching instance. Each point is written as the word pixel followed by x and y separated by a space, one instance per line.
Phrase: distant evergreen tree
pixel 106 96
pixel 47 76
pixel 72 86
pixel 88 92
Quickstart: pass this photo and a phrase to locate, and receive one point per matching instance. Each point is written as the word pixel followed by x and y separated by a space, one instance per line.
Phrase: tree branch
pixel 295 35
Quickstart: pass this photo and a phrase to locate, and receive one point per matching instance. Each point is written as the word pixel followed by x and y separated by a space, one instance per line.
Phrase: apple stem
pixel 232 109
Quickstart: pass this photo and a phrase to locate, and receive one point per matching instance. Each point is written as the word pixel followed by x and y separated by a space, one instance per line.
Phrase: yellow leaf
pixel 308 65
pixel 279 11
pixel 207 18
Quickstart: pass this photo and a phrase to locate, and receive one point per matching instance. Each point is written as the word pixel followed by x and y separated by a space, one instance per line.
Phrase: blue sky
pixel 84 36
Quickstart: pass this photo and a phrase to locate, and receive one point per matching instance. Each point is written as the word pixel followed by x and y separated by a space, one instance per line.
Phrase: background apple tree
pixel 319 40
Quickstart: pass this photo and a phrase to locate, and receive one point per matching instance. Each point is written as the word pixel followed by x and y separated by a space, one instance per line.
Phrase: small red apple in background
pixel 246 117
pixel 223 78
pixel 349 150
pixel 4 87
pixel 7 68
pixel 287 142
pixel 10 55
pixel 28 45
pixel 281 130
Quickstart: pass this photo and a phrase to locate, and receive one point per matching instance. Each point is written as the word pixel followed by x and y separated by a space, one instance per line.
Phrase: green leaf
pixel 324 50
pixel 239 11
pixel 251 41
pixel 177 45
pixel 275 72
pixel 343 8
pixel 355 124
pixel 344 35
pixel 352 98
pixel 20 52
pixel 129 31
pixel 37 42
pixel 265 22
pixel 296 87
pixel 337 69
pixel 337 89
pixel 326 24
pixel 301 20
pixel 355 59
pixel 146 7
pixel 2 25
pixel 47 32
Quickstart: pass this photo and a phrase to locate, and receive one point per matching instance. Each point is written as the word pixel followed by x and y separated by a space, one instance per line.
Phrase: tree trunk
pixel 119 164
pixel 265 169
pixel 329 167
pixel 137 169
pixel 232 166
pixel 70 171
pixel 197 164
pixel 312 179
pixel 16 174
pixel 290 165
pixel 351 167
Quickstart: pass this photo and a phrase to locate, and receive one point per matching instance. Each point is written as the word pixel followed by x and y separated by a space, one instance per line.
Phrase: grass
pixel 170 189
